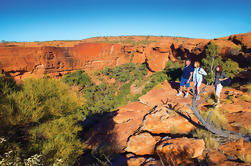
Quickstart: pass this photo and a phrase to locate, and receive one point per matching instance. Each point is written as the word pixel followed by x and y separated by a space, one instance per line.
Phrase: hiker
pixel 186 78
pixel 219 76
pixel 197 78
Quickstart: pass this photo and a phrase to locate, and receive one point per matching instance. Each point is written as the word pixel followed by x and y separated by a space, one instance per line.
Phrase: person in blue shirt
pixel 197 78
pixel 186 78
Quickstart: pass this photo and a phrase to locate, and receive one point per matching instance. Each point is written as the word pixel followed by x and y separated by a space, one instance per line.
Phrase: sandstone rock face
pixel 131 112
pixel 216 158
pixel 180 150
pixel 244 39
pixel 59 56
pixel 142 144
pixel 238 149
pixel 164 121
pixel 155 58
pixel 155 97
pixel 86 56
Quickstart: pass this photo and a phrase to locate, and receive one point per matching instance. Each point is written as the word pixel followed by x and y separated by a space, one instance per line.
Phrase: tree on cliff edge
pixel 213 59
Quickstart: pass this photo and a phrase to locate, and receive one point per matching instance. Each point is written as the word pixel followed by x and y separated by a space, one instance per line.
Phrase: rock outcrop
pixel 180 150
pixel 142 144
pixel 22 59
pixel 166 121
pixel 149 132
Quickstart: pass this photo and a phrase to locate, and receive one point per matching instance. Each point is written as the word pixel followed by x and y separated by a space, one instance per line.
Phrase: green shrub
pixel 78 78
pixel 155 79
pixel 42 118
pixel 231 68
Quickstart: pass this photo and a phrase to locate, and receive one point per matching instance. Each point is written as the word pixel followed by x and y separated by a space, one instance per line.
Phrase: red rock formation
pixel 142 144
pixel 181 150
pixel 94 54
pixel 243 39
pixel 238 149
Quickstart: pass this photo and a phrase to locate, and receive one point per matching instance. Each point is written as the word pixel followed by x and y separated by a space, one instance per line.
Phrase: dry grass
pixel 244 158
pixel 209 139
pixel 245 98
pixel 246 130
pixel 248 88
pixel 217 117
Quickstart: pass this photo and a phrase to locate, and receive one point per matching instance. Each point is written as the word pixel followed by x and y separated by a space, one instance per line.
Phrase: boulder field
pixel 155 131
pixel 34 59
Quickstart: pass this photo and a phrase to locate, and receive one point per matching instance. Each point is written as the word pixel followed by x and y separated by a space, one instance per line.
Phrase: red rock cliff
pixel 93 54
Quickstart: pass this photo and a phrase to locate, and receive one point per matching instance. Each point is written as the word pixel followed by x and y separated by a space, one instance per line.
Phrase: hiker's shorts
pixel 183 82
pixel 218 89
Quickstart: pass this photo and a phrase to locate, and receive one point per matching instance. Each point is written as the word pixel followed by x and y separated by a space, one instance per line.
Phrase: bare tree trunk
pixel 210 126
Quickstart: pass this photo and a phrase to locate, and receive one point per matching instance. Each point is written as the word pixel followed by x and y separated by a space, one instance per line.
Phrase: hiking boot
pixel 186 95
pixel 179 94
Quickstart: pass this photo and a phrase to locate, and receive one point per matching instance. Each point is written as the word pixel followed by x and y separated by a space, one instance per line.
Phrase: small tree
pixel 211 61
pixel 230 67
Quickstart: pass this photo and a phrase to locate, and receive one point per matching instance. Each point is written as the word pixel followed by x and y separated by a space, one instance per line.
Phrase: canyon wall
pixel 35 59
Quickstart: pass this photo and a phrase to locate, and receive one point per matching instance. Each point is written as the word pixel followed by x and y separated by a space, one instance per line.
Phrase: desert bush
pixel 231 68
pixel 155 79
pixel 7 85
pixel 78 78
pixel 99 98
pixel 42 117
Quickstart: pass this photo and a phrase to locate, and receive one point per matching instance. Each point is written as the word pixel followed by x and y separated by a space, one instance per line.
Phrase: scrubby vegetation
pixel 230 67
pixel 105 97
pixel 39 119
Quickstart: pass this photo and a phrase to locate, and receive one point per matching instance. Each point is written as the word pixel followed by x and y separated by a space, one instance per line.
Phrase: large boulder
pixel 142 144
pixel 157 95
pixel 166 121
pixel 180 150
pixel 131 112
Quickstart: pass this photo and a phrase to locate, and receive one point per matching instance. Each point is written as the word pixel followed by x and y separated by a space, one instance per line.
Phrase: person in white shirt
pixel 197 78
